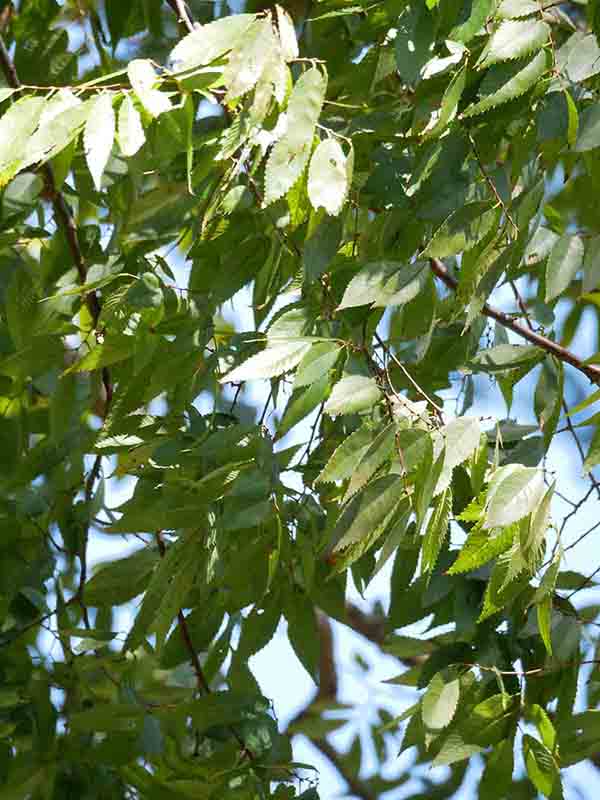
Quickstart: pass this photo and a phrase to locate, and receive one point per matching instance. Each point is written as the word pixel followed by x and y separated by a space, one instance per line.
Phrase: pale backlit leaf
pixel 271 362
pixel 131 131
pixel 328 177
pixel 98 136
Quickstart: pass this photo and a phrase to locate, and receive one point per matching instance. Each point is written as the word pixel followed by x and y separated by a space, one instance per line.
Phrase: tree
pixel 375 178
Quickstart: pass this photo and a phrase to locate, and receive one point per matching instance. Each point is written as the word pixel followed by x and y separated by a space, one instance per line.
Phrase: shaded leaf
pixel 516 86
pixel 566 259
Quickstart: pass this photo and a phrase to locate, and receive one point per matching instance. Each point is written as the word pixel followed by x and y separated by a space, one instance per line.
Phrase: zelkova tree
pixel 405 197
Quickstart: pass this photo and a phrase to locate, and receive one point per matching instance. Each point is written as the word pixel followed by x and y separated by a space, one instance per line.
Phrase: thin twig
pixel 491 184
pixel 201 681
pixel 179 7
pixel 401 366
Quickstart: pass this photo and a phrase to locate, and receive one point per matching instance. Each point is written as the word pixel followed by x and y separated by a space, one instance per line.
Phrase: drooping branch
pixel 589 370
pixel 66 223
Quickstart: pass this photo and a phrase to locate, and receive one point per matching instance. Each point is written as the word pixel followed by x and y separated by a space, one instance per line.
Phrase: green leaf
pixel 98 136
pixel 303 632
pixel 513 40
pixel 516 86
pixel 459 439
pixel 514 492
pixel 507 357
pixel 223 708
pixel 103 355
pixel 454 749
pixel 163 576
pixel 316 363
pixel 301 404
pixel 351 394
pixel 414 42
pixel 122 580
pixel 515 9
pixel 426 481
pixel 502 588
pixel 173 599
pixel 274 360
pixel 461 230
pixel 497 777
pixel 481 546
pixel 366 511
pixel 403 286
pixel 544 620
pixel 347 455
pixel 588 135
pixel 58 127
pixel 209 42
pixel 541 720
pixel 593 454
pixel 131 134
pixel 377 454
pixel 259 626
pixel 287 34
pixel 328 177
pixel 591 265
pixel 492 720
pixel 202 627
pixel 108 717
pixel 249 58
pixel 578 736
pixel 321 244
pixel 449 107
pixel 579 57
pixel 478 12
pixel 437 530
pixel 565 261
pixel 143 78
pixel 368 284
pixel 541 766
pixel 290 154
pixel 440 702
pixel 16 128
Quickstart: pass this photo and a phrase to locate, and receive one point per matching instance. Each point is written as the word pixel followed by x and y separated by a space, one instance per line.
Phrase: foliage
pixel 372 176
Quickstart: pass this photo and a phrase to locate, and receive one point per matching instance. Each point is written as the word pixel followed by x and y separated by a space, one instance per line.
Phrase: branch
pixel 589 370
pixel 328 687
pixel 356 785
pixel 183 16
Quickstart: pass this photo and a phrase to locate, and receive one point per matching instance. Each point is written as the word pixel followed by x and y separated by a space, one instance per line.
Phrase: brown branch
pixel 371 626
pixel 66 222
pixel 589 370
pixel 328 688
pixel 356 785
